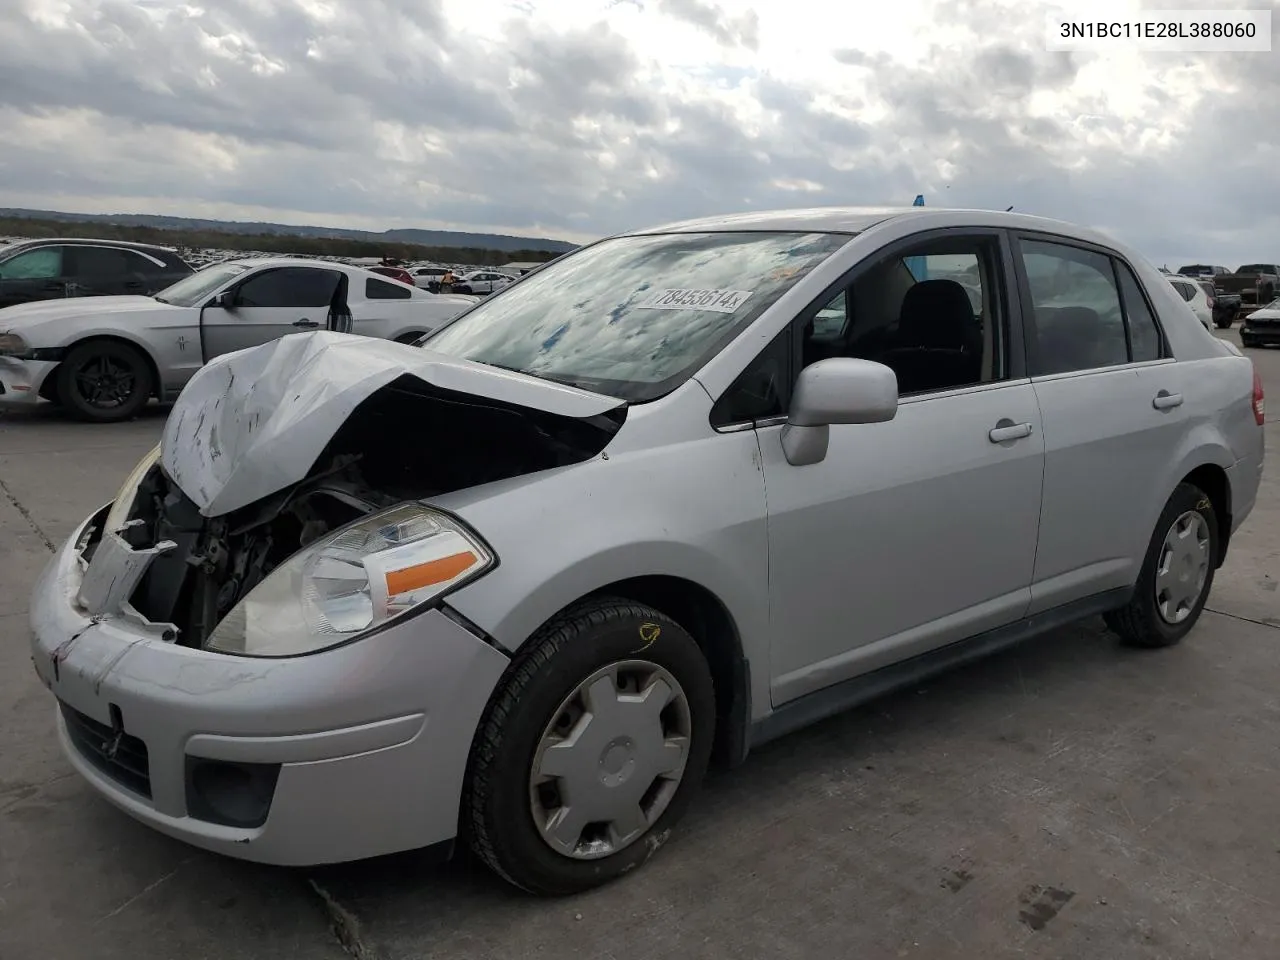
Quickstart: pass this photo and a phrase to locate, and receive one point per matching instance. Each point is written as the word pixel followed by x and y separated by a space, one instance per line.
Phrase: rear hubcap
pixel 611 759
pixel 1183 567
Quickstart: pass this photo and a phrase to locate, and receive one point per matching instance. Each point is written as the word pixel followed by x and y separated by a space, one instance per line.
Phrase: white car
pixel 483 281
pixel 1193 292
pixel 423 277
pixel 103 358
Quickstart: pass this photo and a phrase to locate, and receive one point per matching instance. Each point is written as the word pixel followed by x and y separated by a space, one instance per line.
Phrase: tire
pixel 121 399
pixel 1248 342
pixel 1222 324
pixel 521 725
pixel 461 289
pixel 1141 623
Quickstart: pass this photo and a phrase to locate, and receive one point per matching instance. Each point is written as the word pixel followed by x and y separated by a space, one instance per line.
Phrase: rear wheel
pixel 1177 573
pixel 592 748
pixel 104 381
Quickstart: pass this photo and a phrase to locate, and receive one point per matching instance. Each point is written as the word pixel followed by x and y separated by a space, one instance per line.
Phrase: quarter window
pixel 1079 324
pixel 383 290
pixel 1145 342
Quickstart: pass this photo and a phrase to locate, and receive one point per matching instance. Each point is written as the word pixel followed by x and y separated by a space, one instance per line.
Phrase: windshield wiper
pixel 159 299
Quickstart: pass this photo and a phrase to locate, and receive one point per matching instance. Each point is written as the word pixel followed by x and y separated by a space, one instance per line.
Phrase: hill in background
pixel 446 245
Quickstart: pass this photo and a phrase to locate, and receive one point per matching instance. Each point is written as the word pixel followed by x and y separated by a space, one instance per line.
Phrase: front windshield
pixel 190 291
pixel 634 317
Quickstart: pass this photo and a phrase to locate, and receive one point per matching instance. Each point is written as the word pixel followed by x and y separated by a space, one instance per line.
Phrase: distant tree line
pixel 267 242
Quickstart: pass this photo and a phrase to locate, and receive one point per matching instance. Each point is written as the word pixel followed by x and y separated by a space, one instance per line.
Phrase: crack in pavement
pixel 26 515
pixel 1273 624
pixel 345 925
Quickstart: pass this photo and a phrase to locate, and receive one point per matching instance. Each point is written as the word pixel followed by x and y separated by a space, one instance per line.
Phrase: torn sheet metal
pixel 252 422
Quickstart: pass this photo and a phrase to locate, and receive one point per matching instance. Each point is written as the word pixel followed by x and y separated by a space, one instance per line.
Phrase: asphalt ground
pixel 1066 799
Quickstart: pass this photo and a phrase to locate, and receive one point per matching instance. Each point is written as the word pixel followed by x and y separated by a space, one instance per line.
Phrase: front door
pixel 921 531
pixel 270 304
pixel 38 274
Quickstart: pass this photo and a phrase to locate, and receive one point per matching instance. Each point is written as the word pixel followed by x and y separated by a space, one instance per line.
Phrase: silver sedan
pixel 670 497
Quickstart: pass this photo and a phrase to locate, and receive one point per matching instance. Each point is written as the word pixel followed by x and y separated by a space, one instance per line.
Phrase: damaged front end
pixel 345 547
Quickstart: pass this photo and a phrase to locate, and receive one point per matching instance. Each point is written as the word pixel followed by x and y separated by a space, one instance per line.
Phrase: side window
pixel 101 262
pixel 1185 290
pixel 1145 342
pixel 761 390
pixel 288 287
pixel 1078 320
pixel 382 290
pixel 42 264
pixel 933 314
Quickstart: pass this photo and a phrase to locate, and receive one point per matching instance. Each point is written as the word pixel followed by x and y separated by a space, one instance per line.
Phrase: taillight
pixel 1211 302
pixel 1259 407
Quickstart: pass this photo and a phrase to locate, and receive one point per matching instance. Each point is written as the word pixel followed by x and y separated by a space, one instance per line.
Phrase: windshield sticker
pixel 682 298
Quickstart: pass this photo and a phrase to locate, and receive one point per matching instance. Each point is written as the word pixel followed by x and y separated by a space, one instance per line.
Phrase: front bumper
pixel 363 748
pixel 22 380
pixel 1256 332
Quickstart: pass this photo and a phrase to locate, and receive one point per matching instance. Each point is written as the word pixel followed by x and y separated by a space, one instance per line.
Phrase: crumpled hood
pixel 253 422
pixel 25 318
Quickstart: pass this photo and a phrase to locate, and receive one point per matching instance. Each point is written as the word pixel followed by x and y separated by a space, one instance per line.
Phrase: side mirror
pixel 838 390
pixel 226 300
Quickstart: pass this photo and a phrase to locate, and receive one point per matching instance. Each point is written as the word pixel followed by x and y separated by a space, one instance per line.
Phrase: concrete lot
pixel 1065 800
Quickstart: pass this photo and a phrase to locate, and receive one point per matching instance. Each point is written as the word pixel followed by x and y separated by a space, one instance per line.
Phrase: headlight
pixel 12 345
pixel 352 580
pixel 123 502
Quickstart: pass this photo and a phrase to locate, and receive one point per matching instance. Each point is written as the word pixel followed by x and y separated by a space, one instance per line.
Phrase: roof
pixel 857 219
pixel 94 241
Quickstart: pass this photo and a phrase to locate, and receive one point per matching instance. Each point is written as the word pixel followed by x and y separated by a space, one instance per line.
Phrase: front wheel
pixel 592 748
pixel 104 381
pixel 1177 573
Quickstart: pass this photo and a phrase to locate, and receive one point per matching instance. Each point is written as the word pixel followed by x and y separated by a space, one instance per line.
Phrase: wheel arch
pixel 50 382
pixel 1213 480
pixel 709 622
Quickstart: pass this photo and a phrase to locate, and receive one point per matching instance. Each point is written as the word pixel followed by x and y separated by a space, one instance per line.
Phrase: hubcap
pixel 1183 567
pixel 610 760
pixel 105 382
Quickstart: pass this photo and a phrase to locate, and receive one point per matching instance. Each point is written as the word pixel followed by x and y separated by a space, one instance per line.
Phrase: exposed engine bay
pixel 407 441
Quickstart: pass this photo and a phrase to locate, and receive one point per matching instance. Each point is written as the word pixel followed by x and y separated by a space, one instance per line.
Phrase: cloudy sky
pixel 576 118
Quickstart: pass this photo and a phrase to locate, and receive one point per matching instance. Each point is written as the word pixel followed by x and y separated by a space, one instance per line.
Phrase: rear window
pixel 384 290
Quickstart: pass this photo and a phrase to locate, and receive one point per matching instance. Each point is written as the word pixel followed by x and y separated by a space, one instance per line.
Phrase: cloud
pixel 576 118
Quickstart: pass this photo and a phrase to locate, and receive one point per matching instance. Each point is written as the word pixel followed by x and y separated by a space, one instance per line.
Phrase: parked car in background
pixel 49 269
pixel 1261 328
pixel 521 583
pixel 1201 271
pixel 1256 283
pixel 395 273
pixel 482 282
pixel 103 358
pixel 428 278
pixel 1198 297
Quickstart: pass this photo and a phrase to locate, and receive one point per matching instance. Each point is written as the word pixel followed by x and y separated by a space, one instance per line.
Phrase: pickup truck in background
pixel 1256 283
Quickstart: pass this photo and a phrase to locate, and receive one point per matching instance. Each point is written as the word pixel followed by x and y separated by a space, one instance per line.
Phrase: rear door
pixel 1111 400
pixel 106 271
pixel 271 303
pixel 38 274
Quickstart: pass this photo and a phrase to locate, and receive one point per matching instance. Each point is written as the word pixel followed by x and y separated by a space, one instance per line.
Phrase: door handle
pixel 1007 430
pixel 304 322
pixel 1167 401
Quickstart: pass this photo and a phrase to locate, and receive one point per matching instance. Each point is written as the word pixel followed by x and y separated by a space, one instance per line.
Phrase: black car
pixel 46 269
